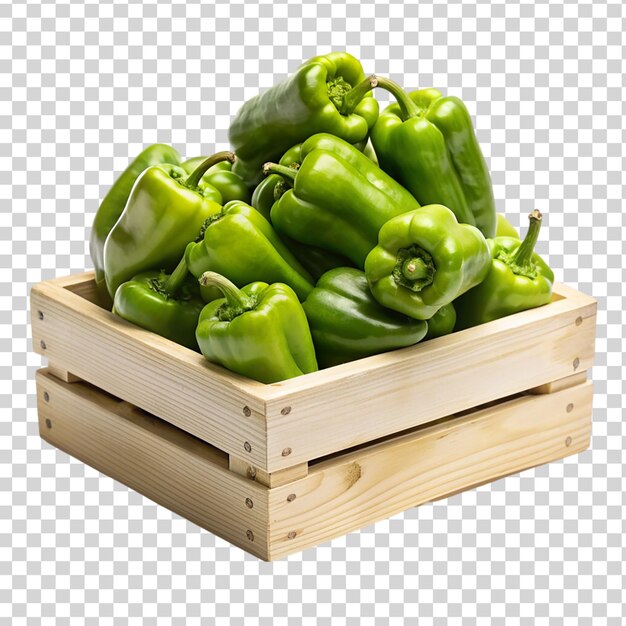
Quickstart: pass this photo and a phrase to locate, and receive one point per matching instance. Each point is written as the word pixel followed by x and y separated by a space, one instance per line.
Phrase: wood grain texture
pixel 166 379
pixel 275 479
pixel 62 374
pixel 561 383
pixel 323 412
pixel 357 402
pixel 167 465
pixel 356 489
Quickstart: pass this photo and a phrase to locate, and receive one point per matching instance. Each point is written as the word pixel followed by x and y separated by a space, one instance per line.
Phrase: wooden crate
pixel 279 468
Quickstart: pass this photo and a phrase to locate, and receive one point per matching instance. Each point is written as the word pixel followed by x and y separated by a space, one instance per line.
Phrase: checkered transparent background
pixel 85 86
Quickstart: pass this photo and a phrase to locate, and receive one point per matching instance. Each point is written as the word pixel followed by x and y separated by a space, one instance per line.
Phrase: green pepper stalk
pixel 259 331
pixel 424 260
pixel 164 212
pixel 166 305
pixel 229 185
pixel 427 142
pixel 307 102
pixel 518 279
pixel 270 189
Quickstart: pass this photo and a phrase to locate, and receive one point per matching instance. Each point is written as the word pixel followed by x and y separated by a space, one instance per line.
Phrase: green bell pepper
pixel 424 260
pixel 239 243
pixel 272 187
pixel 347 323
pixel 427 142
pixel 306 103
pixel 168 305
pixel 114 202
pixel 164 212
pixel 370 153
pixel 504 228
pixel 339 200
pixel 266 193
pixel 315 260
pixel 442 322
pixel 259 331
pixel 518 279
pixel 222 178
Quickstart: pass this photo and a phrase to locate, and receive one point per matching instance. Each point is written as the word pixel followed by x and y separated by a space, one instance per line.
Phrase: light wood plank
pixel 62 374
pixel 356 489
pixel 561 383
pixel 166 379
pixel 164 463
pixel 275 479
pixel 357 402
pixel 322 412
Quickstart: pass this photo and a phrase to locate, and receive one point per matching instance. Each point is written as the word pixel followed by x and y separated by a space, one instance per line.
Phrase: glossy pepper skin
pixel 424 260
pixel 164 212
pixel 222 178
pixel 168 305
pixel 315 260
pixel 272 187
pixel 347 323
pixel 306 103
pixel 239 243
pixel 504 228
pixel 259 331
pixel 442 322
pixel 427 142
pixel 518 279
pixel 339 200
pixel 114 202
pixel 266 193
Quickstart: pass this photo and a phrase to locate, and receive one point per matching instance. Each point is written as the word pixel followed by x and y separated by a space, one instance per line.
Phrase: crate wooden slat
pixel 142 368
pixel 341 493
pixel 270 429
pixel 153 457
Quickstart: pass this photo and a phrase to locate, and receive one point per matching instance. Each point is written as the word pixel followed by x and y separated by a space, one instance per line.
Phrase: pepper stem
pixel 235 298
pixel 352 98
pixel 408 108
pixel 175 279
pixel 194 178
pixel 415 268
pixel 286 172
pixel 525 251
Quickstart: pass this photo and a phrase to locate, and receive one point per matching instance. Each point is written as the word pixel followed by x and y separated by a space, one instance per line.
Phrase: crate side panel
pixel 426 382
pixel 357 489
pixel 154 458
pixel 174 383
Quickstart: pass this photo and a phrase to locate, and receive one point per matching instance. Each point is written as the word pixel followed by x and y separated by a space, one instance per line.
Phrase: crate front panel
pixel 355 489
pixel 341 493
pixel 357 402
pixel 159 376
pixel 274 427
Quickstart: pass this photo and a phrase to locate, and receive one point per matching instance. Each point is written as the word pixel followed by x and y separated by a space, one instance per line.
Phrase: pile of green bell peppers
pixel 332 232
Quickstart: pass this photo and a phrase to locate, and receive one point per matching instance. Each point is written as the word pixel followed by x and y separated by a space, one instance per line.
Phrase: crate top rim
pixel 569 299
